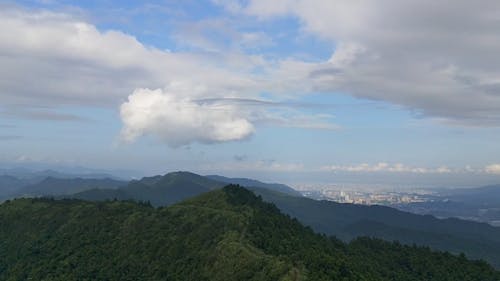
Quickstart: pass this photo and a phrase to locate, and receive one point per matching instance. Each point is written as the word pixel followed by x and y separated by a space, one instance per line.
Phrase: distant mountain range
pixel 478 204
pixel 25 182
pixel 9 185
pixel 51 186
pixel 36 175
pixel 223 234
pixel 486 196
pixel 158 190
pixel 175 187
pixel 346 221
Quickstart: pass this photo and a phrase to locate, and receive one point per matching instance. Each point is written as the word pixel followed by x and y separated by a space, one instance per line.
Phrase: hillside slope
pixel 486 196
pixel 283 188
pixel 9 185
pixel 348 221
pixel 227 234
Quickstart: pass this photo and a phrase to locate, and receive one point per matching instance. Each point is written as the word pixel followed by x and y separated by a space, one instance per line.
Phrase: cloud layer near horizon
pixel 383 167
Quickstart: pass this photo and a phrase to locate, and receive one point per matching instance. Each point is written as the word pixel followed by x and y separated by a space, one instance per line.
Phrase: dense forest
pixel 349 221
pixel 226 234
pixel 345 221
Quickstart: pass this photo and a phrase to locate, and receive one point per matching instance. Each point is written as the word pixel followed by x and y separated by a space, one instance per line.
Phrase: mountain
pixel 51 186
pixel 99 194
pixel 478 204
pixel 348 221
pixel 226 234
pixel 254 183
pixel 486 196
pixel 37 175
pixel 17 182
pixel 170 188
pixel 174 187
pixel 10 185
pixel 158 190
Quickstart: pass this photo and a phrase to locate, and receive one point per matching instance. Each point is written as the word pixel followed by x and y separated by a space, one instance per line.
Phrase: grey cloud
pixel 7 126
pixel 243 101
pixel 313 122
pixel 41 114
pixel 280 104
pixel 280 113
pixel 240 158
pixel 53 68
pixel 325 72
pixel 441 62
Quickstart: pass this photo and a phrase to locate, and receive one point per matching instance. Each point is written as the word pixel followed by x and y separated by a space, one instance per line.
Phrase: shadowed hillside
pixel 348 221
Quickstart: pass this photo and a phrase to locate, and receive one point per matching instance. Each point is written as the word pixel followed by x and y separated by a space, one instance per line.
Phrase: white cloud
pixel 493 169
pixel 178 121
pixel 52 59
pixel 387 168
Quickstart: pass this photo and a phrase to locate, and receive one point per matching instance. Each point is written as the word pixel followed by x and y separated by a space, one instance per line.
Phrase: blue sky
pixel 290 90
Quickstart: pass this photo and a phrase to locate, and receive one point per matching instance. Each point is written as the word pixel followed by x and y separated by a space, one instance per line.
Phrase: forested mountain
pixel 478 204
pixel 51 186
pixel 486 196
pixel 20 182
pixel 347 221
pixel 158 190
pixel 255 183
pixel 10 185
pixel 227 234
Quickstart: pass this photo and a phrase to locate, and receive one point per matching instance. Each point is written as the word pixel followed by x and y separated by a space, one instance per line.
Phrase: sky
pixel 287 90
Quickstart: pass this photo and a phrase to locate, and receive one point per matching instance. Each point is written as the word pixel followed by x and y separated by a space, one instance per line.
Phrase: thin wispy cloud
pixel 10 137
pixel 40 114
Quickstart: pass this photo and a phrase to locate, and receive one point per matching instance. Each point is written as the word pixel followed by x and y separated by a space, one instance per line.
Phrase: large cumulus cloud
pixel 179 121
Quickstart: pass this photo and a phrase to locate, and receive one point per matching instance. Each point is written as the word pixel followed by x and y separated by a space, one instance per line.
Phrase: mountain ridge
pixel 224 234
pixel 246 182
pixel 341 220
pixel 478 240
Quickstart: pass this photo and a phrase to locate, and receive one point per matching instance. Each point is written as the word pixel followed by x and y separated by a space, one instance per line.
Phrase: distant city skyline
pixel 293 91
